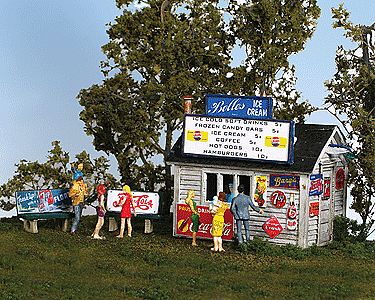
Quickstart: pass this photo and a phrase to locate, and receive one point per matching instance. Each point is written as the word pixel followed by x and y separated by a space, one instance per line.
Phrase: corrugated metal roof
pixel 311 139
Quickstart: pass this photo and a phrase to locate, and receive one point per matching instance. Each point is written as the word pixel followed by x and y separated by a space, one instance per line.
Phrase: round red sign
pixel 278 199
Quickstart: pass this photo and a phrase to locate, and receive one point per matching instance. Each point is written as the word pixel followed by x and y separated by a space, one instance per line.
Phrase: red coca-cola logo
pixel 184 223
pixel 143 202
pixel 206 228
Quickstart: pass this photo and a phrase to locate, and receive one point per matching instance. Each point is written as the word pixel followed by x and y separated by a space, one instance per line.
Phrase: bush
pixel 345 229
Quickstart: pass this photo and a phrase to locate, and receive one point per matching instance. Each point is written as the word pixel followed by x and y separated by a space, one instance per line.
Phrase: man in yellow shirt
pixel 77 193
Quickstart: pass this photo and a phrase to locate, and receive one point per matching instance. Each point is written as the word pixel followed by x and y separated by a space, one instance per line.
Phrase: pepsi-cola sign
pixel 145 203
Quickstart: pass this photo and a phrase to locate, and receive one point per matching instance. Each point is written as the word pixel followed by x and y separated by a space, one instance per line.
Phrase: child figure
pixel 194 215
pixel 218 211
pixel 100 211
pixel 126 201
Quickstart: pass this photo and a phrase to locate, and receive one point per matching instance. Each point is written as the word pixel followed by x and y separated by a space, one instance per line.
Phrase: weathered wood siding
pixel 257 220
pixel 321 227
pixel 190 179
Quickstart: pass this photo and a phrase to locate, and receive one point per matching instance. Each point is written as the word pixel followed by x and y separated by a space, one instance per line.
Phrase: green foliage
pixel 345 229
pixel 270 31
pixel 261 247
pixel 56 265
pixel 55 173
pixel 168 49
pixel 351 101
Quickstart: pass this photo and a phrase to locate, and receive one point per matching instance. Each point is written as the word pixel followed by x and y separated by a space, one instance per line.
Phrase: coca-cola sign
pixel 183 224
pixel 145 203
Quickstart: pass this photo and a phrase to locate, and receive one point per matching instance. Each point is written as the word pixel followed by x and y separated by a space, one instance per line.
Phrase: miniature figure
pixel 77 170
pixel 240 210
pixel 230 195
pixel 194 215
pixel 126 200
pixel 100 211
pixel 218 209
pixel 77 193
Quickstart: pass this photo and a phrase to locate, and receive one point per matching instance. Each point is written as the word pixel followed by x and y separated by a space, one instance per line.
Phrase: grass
pixel 55 265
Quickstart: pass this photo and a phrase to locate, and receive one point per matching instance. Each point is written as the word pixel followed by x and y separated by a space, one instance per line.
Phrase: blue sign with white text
pixel 239 106
pixel 40 201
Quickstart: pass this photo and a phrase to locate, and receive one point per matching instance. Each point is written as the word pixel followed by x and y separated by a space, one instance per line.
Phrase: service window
pixel 211 186
pixel 228 183
pixel 245 180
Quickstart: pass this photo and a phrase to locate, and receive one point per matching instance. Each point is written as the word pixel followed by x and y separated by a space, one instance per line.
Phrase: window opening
pixel 211 186
pixel 245 180
pixel 228 187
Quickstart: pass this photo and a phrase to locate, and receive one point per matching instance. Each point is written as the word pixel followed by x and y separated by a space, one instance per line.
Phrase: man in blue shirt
pixel 240 210
pixel 230 194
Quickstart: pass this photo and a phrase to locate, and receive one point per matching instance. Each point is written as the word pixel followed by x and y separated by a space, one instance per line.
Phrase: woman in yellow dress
pixel 218 209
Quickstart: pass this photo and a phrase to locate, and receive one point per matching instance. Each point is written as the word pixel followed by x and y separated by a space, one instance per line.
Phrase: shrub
pixel 345 229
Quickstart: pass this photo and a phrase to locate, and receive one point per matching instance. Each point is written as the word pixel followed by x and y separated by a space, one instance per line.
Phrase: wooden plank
pixel 190 172
pixel 303 212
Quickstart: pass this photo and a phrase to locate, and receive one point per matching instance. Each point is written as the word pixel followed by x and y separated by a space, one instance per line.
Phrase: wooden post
pixel 64 225
pixel 112 224
pixel 303 213
pixel 30 226
pixel 149 228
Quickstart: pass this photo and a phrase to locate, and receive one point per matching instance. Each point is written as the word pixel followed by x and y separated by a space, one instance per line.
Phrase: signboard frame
pixel 145 202
pixel 237 106
pixel 286 181
pixel 290 148
pixel 40 204
pixel 205 226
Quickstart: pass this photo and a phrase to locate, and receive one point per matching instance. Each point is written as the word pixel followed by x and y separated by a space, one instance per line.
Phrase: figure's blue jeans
pixel 77 216
pixel 246 223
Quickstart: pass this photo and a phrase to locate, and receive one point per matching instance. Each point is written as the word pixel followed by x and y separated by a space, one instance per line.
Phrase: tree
pixel 351 101
pixel 55 173
pixel 168 49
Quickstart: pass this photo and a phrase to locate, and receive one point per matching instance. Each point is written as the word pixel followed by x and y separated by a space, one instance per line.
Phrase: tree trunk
pixel 168 197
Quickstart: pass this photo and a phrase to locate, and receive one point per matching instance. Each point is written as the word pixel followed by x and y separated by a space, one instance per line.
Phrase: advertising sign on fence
pixel 43 201
pixel 239 106
pixel 145 203
pixel 183 224
pixel 262 140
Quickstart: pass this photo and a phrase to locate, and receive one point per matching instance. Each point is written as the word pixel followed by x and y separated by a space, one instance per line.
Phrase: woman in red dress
pixel 126 201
